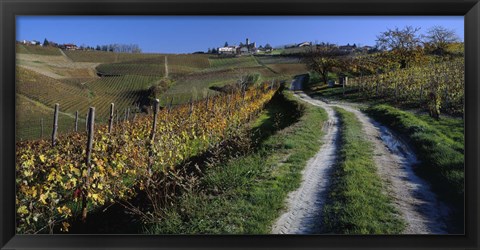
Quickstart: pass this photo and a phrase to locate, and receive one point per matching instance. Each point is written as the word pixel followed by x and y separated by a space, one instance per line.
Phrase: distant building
pixel 304 44
pixel 248 48
pixel 33 42
pixel 348 48
pixel 69 46
pixel 366 48
pixel 229 50
pixel 243 49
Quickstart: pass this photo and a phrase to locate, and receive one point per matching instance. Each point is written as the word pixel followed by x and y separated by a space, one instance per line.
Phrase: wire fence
pixel 42 127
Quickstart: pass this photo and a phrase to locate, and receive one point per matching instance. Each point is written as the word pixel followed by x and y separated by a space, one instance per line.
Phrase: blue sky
pixel 184 34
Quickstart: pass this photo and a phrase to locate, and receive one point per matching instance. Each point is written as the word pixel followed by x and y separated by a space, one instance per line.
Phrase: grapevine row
pixel 444 82
pixel 53 181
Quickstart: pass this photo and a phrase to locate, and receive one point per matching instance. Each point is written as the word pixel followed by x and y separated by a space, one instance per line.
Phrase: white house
pixel 248 48
pixel 304 44
pixel 227 50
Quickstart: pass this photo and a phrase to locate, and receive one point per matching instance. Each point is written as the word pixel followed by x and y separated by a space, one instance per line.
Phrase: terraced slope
pixel 124 91
pixel 184 64
pixel 230 62
pixel 197 85
pixel 38 50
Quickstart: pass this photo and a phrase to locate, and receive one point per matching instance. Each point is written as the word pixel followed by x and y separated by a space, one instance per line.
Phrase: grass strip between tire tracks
pixel 357 202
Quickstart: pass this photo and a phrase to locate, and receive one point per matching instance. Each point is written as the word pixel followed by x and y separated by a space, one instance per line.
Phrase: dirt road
pixel 306 203
pixel 417 204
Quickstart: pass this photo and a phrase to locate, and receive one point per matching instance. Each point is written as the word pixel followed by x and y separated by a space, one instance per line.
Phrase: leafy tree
pixel 209 51
pixel 404 45
pixel 268 46
pixel 226 44
pixel 46 42
pixel 214 51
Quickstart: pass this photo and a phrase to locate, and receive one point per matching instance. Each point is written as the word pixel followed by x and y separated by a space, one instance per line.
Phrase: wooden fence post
pixel 91 123
pixel 228 104
pixel 86 122
pixel 191 107
pixel 55 124
pixel 76 121
pixel 155 112
pixel 41 133
pixel 88 158
pixel 213 105
pixel 128 113
pixel 206 103
pixel 110 120
pixel 170 106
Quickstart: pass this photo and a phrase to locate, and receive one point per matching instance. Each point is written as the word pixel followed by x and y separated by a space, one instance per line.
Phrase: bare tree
pixel 324 59
pixel 404 44
pixel 438 38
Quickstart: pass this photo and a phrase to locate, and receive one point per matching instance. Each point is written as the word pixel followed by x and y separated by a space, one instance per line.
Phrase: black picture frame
pixel 10 8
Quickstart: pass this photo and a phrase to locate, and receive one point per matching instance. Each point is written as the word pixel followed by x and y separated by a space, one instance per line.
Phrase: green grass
pixel 438 145
pixel 246 194
pixel 357 200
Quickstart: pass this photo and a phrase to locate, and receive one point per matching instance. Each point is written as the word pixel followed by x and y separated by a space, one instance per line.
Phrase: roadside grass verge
pixel 246 194
pixel 440 149
pixel 358 203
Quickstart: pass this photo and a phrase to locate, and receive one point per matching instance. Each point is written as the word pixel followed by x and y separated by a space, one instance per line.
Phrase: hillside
pixel 78 80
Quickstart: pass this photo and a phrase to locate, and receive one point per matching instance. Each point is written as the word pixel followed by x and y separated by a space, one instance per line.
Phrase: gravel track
pixel 418 206
pixel 306 203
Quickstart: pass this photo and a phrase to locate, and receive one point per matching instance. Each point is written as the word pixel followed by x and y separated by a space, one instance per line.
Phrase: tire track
pixel 305 205
pixel 411 195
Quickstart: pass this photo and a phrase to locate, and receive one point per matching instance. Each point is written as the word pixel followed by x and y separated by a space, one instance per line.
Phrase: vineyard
pixel 106 56
pixel 233 62
pixel 53 182
pixel 125 91
pixel 198 85
pixel 438 85
pixel 288 69
pixel 277 59
pixel 119 69
pixel 184 64
pixel 36 113
pixel 79 79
